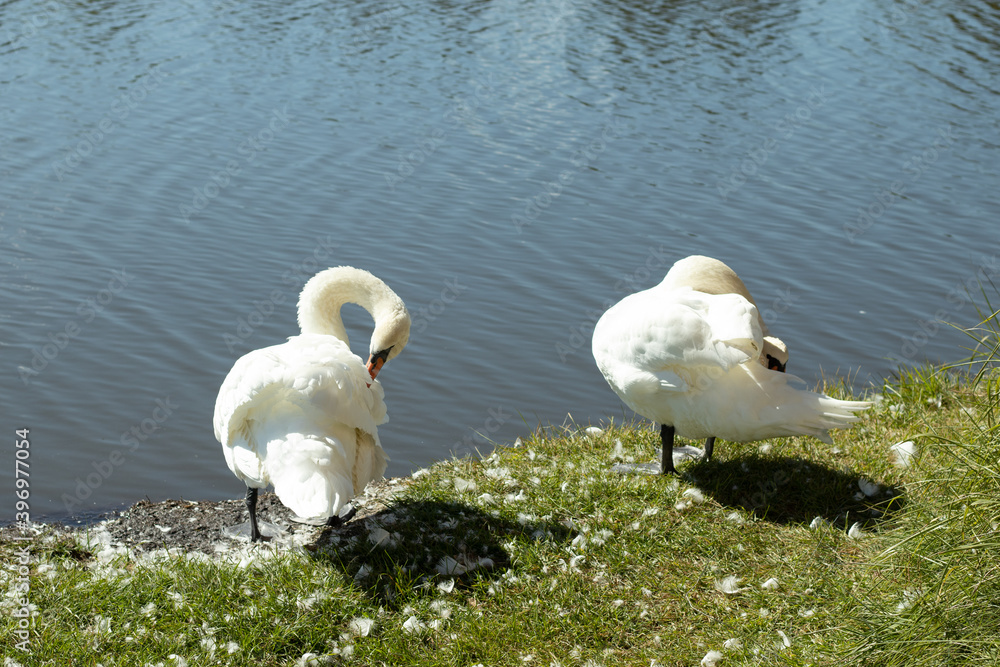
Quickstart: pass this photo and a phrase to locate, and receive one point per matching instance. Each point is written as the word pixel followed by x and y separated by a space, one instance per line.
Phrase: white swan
pixel 711 276
pixel 303 415
pixel 694 362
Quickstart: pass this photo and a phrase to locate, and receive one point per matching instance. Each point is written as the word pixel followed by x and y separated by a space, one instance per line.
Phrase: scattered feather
pixel 360 626
pixel 695 495
pixel 728 585
pixel 464 485
pixel 868 487
pixel 711 659
pixel 733 643
pixel 414 625
pixel 379 536
pixel 904 452
pixel 910 596
pixel 619 451
pixel 593 432
pixel 855 532
pixel 817 523
pixel 770 585
pixel 441 608
pixel 784 639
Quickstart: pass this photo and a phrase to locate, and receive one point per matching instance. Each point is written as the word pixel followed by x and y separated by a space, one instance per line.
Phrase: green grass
pixel 945 553
pixel 573 564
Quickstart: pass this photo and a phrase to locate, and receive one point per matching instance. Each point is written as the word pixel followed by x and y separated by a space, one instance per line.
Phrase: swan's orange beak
pixel 376 361
pixel 772 364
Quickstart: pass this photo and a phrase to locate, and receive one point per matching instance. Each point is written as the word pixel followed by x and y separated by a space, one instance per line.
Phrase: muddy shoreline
pixel 198 525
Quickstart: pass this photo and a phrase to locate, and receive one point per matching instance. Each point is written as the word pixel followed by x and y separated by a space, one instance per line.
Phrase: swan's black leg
pixel 709 446
pixel 251 501
pixel 667 455
pixel 336 521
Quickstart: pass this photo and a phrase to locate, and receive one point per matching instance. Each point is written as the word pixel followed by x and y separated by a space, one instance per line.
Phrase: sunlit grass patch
pixel 542 554
pixel 936 600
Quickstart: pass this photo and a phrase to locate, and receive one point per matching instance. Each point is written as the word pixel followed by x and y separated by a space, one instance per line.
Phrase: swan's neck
pixel 326 292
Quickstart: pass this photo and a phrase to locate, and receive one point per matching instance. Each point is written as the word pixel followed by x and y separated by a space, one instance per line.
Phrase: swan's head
pixel 775 354
pixel 325 293
pixel 392 333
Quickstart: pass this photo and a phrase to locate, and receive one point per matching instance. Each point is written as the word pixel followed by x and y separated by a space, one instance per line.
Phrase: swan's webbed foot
pixel 667 453
pixel 709 446
pixel 254 530
pixel 338 520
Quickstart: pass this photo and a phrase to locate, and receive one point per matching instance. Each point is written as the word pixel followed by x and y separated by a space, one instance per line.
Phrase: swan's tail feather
pixel 817 414
pixel 311 474
pixel 314 476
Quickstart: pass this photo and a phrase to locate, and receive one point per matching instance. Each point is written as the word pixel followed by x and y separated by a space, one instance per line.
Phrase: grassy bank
pixel 787 552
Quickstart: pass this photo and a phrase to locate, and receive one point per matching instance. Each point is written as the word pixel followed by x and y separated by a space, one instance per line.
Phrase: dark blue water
pixel 173 172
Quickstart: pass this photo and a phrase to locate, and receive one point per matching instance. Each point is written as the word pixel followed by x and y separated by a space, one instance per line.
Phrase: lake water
pixel 173 172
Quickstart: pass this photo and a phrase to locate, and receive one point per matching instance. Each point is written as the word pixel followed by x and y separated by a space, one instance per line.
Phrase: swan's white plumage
pixel 303 415
pixel 691 360
pixel 300 416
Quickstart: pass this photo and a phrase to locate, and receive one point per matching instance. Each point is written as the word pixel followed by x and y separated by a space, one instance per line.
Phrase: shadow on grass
pixel 788 490
pixel 414 543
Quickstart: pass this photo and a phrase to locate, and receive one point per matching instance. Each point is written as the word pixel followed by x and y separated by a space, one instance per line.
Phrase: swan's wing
pixel 670 334
pixel 313 378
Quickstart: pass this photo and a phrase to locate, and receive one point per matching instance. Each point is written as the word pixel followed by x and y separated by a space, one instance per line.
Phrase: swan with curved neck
pixel 303 415
pixel 691 354
pixel 326 293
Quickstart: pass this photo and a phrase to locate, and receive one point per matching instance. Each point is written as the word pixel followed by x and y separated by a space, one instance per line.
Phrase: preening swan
pixel 711 276
pixel 690 354
pixel 303 415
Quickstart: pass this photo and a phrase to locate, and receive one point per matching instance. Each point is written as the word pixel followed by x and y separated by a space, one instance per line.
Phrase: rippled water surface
pixel 173 172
